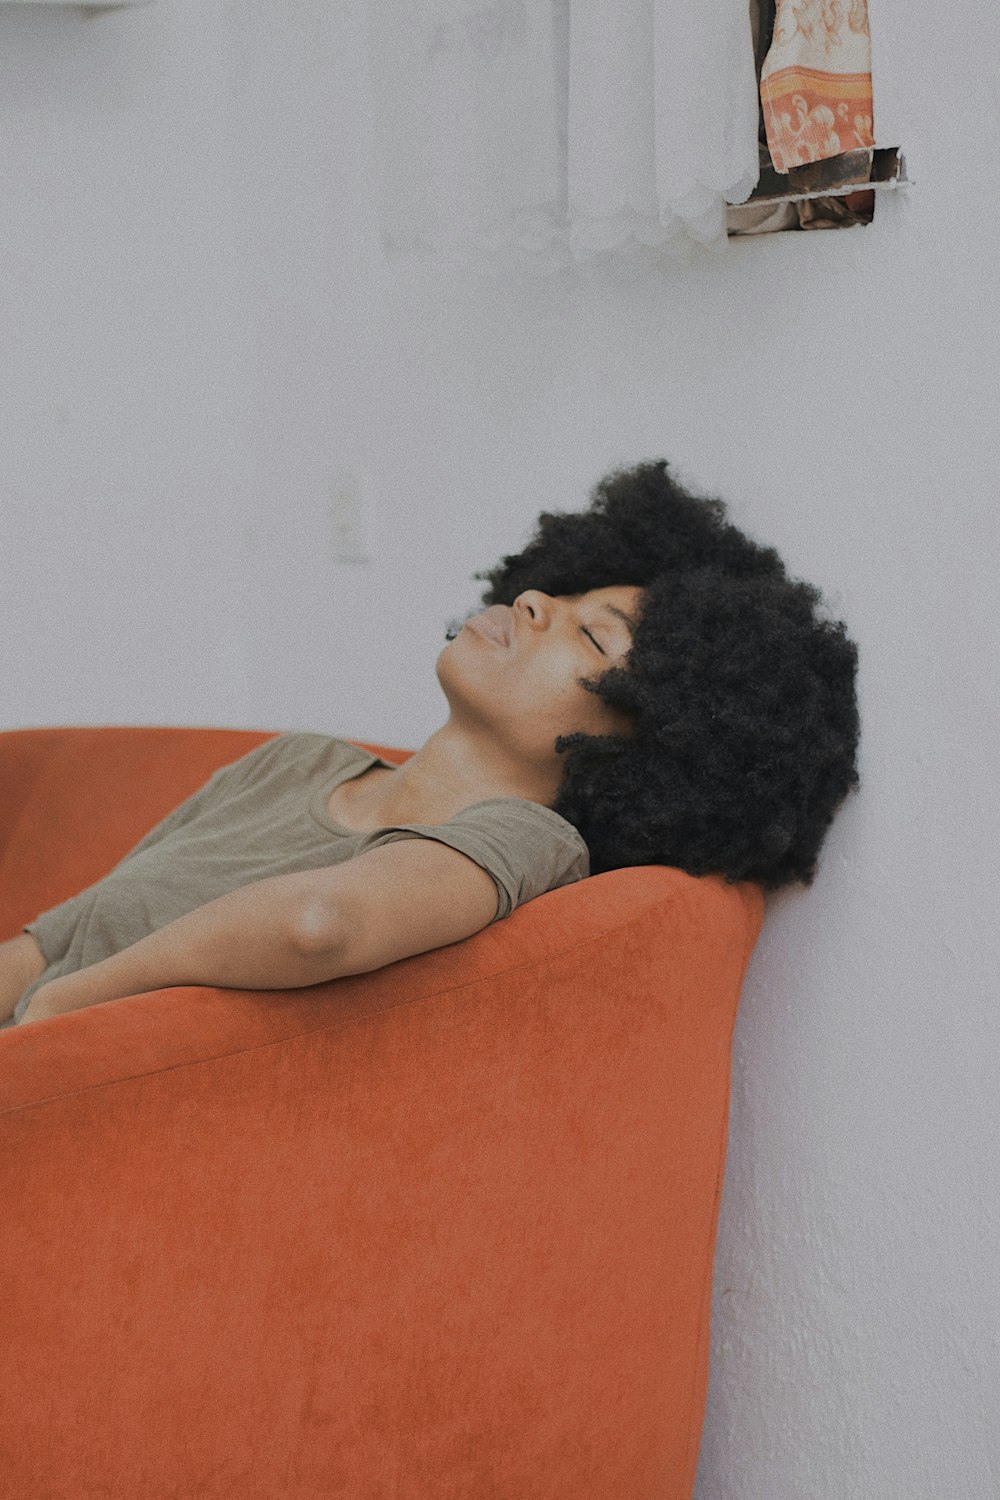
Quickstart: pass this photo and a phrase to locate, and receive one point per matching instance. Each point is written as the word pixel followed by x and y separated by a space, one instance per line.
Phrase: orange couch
pixel 440 1232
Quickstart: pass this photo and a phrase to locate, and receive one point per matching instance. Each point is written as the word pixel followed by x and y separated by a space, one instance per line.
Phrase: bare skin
pixel 21 963
pixel 508 705
pixel 512 679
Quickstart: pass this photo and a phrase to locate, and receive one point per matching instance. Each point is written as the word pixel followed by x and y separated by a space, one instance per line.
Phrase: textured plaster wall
pixel 196 336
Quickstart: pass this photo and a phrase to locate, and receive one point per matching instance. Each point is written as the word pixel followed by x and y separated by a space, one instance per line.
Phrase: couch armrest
pixel 441 1231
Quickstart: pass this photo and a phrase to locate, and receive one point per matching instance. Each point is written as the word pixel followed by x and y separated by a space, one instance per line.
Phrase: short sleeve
pixel 53 929
pixel 526 848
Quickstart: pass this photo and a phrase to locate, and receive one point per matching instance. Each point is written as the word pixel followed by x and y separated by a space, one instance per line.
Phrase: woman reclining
pixel 646 686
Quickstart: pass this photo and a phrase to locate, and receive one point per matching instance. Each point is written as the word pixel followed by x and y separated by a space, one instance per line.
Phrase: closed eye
pixel 594 639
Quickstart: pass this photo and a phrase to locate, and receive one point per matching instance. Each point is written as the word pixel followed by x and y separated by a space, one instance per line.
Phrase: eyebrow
pixel 613 610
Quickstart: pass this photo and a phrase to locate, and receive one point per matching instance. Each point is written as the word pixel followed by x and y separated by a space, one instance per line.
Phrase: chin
pixel 462 680
pixel 443 669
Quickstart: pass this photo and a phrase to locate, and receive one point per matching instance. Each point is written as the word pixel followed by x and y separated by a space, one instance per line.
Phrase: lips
pixel 495 623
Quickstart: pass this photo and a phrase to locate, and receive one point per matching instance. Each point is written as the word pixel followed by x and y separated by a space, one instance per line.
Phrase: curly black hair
pixel 741 694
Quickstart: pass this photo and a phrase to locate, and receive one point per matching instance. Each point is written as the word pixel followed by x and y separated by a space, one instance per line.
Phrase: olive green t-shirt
pixel 265 814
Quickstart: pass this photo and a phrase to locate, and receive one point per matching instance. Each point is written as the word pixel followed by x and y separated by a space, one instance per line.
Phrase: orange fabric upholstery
pixel 440 1232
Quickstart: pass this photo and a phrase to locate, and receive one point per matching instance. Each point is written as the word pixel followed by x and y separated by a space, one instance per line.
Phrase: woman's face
pixel 516 669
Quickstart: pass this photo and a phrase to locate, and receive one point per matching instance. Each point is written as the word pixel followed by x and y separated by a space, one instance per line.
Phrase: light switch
pixel 347 511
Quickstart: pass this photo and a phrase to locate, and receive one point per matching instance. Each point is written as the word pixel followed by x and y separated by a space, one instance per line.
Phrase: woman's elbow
pixel 319 930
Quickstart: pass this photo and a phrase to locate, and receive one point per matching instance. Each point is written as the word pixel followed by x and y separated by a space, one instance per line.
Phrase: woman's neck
pixel 452 770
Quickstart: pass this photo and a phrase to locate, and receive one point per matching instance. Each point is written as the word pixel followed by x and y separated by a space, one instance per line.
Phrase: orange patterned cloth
pixel 816 83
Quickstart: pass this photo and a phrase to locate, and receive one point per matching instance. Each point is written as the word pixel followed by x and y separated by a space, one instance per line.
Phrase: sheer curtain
pixel 536 133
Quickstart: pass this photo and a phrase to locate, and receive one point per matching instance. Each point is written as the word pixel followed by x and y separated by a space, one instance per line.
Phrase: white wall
pixel 197 336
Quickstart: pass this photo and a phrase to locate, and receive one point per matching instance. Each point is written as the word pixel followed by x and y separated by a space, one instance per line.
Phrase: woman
pixel 647 685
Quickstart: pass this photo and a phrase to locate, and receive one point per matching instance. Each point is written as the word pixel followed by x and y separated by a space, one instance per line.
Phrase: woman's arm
pixel 294 930
pixel 21 963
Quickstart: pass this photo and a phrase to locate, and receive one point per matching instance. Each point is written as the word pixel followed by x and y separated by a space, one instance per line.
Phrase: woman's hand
pixel 21 963
pixel 36 1006
pixel 76 991
pixel 67 992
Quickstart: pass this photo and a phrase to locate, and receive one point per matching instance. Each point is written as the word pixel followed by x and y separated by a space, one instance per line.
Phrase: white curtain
pixel 536 133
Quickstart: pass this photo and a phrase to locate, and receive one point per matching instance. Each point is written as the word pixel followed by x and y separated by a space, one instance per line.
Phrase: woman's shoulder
pixel 525 846
pixel 521 819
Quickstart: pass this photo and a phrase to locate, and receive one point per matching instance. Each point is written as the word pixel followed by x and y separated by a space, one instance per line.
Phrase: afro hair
pixel 741 694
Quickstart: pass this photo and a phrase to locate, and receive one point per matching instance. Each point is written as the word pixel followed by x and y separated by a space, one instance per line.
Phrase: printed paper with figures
pixel 816 85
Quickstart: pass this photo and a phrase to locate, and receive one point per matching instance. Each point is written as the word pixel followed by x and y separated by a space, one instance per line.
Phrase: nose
pixel 535 607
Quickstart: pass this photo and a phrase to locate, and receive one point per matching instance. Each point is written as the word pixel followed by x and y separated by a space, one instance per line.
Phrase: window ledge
pixel 854 175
